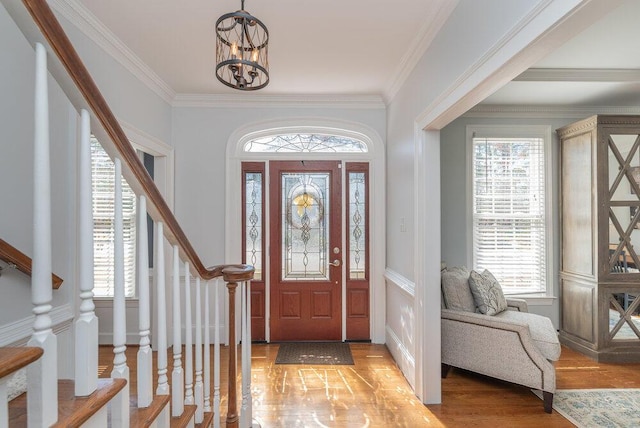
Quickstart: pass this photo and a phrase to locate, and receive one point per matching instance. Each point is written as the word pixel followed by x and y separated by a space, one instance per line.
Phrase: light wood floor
pixel 374 393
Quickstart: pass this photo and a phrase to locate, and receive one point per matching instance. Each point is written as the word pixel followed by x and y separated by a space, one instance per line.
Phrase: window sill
pixel 534 299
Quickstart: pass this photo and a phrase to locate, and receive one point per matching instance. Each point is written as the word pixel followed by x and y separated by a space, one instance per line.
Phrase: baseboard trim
pixel 402 356
pixel 19 332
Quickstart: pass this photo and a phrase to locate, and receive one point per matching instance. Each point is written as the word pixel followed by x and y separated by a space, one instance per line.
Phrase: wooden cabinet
pixel 600 237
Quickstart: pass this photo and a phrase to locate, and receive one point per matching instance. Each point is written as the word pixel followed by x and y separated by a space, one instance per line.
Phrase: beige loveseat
pixel 512 345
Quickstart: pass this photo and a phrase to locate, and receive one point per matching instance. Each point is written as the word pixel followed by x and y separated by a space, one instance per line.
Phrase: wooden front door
pixel 306 250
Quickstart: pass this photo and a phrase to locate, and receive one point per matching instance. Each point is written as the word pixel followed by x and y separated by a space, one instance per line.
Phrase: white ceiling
pixel 359 47
pixel 316 47
pixel 598 67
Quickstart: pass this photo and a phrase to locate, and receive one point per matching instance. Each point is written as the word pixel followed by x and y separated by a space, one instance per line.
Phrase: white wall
pixel 454 207
pixel 17 78
pixel 200 137
pixel 464 62
pixel 131 100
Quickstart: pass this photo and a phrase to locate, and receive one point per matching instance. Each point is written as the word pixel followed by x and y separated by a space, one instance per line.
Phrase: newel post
pixel 232 276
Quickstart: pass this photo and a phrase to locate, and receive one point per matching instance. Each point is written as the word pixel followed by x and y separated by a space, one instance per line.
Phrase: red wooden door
pixel 306 250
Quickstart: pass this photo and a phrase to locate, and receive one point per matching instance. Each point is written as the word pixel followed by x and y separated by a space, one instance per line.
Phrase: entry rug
pixel 590 408
pixel 329 353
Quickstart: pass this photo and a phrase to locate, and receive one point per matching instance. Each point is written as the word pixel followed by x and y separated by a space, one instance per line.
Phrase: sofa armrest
pixel 495 347
pixel 484 320
pixel 517 305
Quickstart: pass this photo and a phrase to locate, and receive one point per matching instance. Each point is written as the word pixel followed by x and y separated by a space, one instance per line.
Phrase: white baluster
pixel 207 350
pixel 216 355
pixel 145 369
pixel 163 382
pixel 198 390
pixel 120 406
pixel 86 328
pixel 42 375
pixel 177 375
pixel 188 342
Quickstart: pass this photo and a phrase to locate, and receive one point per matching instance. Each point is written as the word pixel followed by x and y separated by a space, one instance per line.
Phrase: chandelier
pixel 241 51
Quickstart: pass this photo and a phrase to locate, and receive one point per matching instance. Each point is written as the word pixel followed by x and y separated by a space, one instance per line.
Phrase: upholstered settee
pixel 512 345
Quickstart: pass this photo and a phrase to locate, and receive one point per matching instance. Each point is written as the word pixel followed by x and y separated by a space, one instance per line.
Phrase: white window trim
pixel 514 131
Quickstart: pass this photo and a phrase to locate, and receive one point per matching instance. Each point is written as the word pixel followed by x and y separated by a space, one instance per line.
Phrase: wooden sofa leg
pixel 444 370
pixel 548 401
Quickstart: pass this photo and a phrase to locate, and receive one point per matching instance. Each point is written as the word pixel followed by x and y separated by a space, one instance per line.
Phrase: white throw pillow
pixel 487 293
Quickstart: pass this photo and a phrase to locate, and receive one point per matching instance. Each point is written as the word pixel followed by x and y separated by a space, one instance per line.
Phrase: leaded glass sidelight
pixel 305 226
pixel 253 222
pixel 357 225
pixel 624 202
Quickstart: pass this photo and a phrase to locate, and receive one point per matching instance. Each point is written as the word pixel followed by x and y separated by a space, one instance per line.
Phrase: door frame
pixel 375 156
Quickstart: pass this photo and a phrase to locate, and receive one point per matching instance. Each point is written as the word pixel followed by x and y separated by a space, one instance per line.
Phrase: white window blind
pixel 509 212
pixel 103 186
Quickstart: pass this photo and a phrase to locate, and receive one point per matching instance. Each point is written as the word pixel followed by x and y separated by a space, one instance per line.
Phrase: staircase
pixel 188 396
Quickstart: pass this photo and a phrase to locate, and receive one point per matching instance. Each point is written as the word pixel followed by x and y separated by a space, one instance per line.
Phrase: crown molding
pixel 579 75
pixel 546 111
pixel 417 49
pixel 96 31
pixel 281 101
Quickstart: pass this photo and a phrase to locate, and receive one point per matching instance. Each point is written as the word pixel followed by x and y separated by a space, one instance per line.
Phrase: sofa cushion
pixel 543 333
pixel 455 289
pixel 487 293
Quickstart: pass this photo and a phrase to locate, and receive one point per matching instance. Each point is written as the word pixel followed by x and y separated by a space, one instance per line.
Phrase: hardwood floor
pixel 374 393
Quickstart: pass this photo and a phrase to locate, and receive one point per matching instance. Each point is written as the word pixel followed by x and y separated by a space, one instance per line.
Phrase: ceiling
pixel 360 47
pixel 598 67
pixel 316 47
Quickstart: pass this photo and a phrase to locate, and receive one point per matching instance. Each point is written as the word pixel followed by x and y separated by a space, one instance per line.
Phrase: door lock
pixel 336 263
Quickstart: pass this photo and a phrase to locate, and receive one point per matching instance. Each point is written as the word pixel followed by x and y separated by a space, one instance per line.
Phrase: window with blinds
pixel 103 186
pixel 509 213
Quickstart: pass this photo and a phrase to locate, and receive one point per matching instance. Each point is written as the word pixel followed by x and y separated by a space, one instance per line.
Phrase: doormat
pixel 328 353
pixel 585 408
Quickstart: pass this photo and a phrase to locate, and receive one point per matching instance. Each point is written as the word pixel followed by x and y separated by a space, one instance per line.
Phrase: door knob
pixel 336 262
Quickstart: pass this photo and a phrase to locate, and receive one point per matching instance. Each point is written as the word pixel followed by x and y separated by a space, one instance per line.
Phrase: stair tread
pixel 13 359
pixel 144 417
pixel 72 411
pixel 183 420
pixel 207 421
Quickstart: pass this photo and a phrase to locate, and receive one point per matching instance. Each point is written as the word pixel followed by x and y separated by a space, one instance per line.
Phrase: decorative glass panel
pixel 624 201
pixel 305 143
pixel 357 247
pixel 305 226
pixel 253 222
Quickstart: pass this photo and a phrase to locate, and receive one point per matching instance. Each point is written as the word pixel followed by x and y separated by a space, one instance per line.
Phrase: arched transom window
pixel 305 143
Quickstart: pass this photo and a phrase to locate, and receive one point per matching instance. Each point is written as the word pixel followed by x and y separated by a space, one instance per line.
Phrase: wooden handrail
pixel 119 144
pixel 22 262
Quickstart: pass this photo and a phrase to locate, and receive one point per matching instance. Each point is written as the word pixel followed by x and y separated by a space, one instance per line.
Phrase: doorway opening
pixel 311 221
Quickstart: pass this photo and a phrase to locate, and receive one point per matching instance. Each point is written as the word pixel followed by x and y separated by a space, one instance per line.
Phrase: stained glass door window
pixel 305 230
